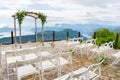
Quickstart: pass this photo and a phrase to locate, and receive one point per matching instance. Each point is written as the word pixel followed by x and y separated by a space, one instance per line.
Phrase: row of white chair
pixel 91 73
pixel 53 61
pixel 85 46
pixel 76 39
pixel 106 47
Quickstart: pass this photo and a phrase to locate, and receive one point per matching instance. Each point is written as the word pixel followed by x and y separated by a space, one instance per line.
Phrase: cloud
pixel 64 11
pixel 17 4
pixel 3 25
pixel 98 3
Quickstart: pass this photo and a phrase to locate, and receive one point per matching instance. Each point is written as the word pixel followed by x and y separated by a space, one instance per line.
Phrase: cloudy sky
pixel 63 11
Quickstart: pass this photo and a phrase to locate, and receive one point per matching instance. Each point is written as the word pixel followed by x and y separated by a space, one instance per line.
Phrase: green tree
pixel 104 35
pixel 118 30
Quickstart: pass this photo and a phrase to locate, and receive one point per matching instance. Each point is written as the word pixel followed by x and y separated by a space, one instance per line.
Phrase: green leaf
pixel 42 17
pixel 20 15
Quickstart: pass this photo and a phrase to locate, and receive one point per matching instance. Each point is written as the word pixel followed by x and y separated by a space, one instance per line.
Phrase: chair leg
pixel 81 52
pixel 34 76
pixel 115 62
pixel 39 76
pixel 42 74
pixel 93 56
pixel 7 76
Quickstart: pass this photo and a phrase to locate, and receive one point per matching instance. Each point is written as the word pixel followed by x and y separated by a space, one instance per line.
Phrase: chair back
pixel 44 58
pixel 85 75
pixel 24 63
pixel 110 44
pixel 93 41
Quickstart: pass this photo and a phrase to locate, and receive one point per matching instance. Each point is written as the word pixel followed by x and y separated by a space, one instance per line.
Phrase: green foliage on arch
pixel 42 17
pixel 20 15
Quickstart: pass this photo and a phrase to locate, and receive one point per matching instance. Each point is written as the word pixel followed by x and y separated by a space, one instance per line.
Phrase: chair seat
pixel 31 48
pixel 81 46
pixel 30 56
pixel 101 49
pixel 81 70
pixel 46 65
pixel 62 61
pixel 84 45
pixel 64 77
pixel 116 54
pixel 13 59
pixel 89 44
pixel 71 43
pixel 91 73
pixel 26 70
pixel 13 50
pixel 45 53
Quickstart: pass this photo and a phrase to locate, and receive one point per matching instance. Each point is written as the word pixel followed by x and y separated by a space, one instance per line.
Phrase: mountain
pixel 83 28
pixel 5 29
pixel 86 31
pixel 59 35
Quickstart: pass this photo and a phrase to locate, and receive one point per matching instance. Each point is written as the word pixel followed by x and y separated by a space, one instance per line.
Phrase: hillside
pixel 61 35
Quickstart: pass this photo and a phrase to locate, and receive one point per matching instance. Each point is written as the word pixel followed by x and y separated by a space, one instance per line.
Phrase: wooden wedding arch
pixel 20 15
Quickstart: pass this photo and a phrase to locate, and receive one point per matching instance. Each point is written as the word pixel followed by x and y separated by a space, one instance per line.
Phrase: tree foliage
pixel 104 35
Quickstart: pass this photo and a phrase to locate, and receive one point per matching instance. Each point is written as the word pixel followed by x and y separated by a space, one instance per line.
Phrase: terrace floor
pixel 108 73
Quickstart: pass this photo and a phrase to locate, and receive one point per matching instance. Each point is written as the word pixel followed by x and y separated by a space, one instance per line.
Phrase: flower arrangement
pixel 52 44
pixel 80 41
pixel 105 62
pixel 67 38
pixel 40 41
pixel 72 51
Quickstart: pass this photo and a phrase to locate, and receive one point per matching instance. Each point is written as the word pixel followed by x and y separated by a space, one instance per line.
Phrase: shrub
pixel 104 35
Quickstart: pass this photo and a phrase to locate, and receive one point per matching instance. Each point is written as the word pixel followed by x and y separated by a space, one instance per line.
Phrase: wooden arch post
pixel 36 34
pixel 14 30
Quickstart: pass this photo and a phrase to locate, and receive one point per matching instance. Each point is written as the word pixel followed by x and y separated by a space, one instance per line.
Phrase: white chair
pixel 60 62
pixel 110 44
pixel 25 68
pixel 91 73
pixel 44 54
pixel 30 56
pixel 73 41
pixel 77 39
pixel 106 47
pixel 85 46
pixel 10 63
pixel 45 64
pixel 11 59
pixel 117 58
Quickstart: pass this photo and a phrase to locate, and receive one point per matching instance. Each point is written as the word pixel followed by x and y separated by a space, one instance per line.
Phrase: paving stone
pixel 118 74
pixel 112 75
